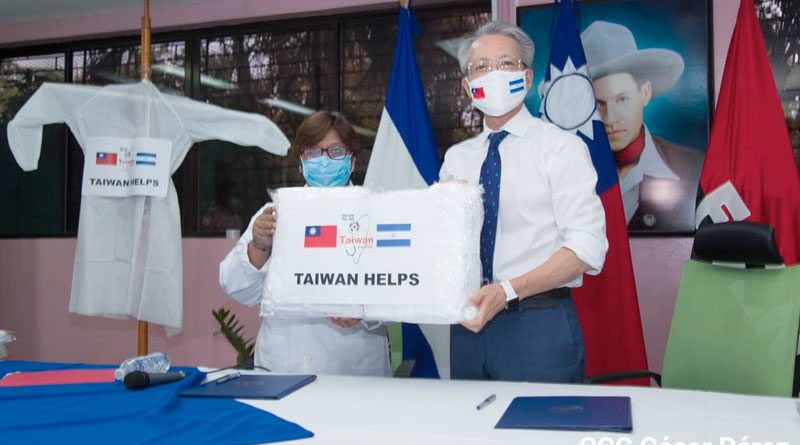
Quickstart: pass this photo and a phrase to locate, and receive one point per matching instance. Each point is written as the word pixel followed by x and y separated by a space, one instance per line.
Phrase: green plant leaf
pixel 230 329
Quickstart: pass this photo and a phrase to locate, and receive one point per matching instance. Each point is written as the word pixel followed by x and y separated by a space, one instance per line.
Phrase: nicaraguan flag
pixel 607 304
pixel 517 85
pixel 394 235
pixel 405 156
pixel 143 158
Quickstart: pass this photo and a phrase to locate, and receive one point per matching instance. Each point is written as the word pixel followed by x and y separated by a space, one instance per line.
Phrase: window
pixel 31 203
pixel 780 25
pixel 284 75
pixel 284 70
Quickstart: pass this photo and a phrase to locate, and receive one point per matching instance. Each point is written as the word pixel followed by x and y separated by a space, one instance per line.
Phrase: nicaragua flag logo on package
pixel 394 235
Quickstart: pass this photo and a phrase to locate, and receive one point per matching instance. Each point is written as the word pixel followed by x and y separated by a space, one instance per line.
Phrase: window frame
pixel 186 178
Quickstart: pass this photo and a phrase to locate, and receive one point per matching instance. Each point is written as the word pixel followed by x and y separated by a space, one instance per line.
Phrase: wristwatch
pixel 512 299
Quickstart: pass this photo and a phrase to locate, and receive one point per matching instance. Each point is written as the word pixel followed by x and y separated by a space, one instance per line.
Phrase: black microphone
pixel 141 379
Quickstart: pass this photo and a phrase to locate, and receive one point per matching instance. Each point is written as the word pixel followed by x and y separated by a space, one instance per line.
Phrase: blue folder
pixel 569 413
pixel 256 386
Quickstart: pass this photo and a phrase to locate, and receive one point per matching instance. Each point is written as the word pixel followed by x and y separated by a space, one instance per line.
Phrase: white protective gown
pixel 128 261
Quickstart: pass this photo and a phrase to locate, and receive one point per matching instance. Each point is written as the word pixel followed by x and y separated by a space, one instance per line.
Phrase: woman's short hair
pixel 314 128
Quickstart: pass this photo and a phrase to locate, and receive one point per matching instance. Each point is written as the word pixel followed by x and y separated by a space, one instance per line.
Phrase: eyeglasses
pixel 335 152
pixel 485 66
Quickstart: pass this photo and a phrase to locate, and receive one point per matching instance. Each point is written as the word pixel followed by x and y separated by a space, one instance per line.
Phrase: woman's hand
pixel 264 227
pixel 259 249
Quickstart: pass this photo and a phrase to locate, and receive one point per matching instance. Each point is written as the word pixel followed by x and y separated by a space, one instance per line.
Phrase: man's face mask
pixel 498 92
pixel 323 171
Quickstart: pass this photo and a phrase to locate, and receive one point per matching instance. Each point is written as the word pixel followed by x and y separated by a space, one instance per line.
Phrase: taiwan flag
pixel 104 158
pixel 607 304
pixel 320 236
pixel 750 172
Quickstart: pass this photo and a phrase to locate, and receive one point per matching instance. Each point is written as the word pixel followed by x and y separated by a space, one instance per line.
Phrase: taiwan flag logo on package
pixel 409 255
pixel 320 236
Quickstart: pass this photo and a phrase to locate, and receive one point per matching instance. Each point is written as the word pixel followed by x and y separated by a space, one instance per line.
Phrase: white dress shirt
pixel 547 195
pixel 650 164
pixel 299 345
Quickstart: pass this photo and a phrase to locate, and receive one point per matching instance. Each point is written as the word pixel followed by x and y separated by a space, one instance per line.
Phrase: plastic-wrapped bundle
pixel 409 255
pixel 5 337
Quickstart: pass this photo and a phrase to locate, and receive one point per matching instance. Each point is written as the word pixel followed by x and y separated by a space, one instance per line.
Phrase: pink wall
pixel 35 274
pixel 178 16
pixel 35 277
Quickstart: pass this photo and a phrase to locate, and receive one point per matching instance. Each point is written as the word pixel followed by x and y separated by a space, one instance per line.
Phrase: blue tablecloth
pixel 109 413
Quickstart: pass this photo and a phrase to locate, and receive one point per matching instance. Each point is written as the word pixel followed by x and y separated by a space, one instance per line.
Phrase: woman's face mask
pixel 323 171
pixel 498 92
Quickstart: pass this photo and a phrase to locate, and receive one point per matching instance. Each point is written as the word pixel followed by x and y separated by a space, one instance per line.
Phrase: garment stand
pixel 145 72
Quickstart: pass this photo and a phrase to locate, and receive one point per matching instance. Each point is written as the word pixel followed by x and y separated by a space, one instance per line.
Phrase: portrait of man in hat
pixel 658 178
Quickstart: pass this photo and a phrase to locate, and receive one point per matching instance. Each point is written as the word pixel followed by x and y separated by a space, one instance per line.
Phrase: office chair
pixel 736 317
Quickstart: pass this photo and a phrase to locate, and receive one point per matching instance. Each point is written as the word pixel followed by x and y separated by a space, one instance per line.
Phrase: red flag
pixel 607 305
pixel 104 158
pixel 749 145
pixel 320 236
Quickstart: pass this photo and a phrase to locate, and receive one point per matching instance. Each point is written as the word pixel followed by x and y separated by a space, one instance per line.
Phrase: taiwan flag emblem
pixel 320 236
pixel 477 93
pixel 104 158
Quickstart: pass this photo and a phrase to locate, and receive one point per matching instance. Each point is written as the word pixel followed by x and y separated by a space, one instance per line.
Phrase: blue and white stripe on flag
pixel 405 156
pixel 393 235
pixel 516 85
pixel 143 158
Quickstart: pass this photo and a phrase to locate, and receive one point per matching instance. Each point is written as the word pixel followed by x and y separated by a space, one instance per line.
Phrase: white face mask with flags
pixel 498 92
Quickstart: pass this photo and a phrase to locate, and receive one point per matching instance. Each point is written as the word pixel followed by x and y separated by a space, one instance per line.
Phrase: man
pixel 544 225
pixel 658 179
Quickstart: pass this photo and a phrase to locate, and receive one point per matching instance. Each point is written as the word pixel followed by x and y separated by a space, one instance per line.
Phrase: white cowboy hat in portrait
pixel 611 48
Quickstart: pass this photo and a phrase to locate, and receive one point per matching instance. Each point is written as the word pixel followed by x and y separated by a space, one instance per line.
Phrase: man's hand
pixel 490 300
pixel 344 322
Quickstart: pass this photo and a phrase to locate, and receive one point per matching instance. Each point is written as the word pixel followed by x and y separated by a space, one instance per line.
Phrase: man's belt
pixel 541 300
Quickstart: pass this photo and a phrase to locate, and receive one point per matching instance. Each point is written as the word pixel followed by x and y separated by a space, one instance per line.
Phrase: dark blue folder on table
pixel 251 386
pixel 569 413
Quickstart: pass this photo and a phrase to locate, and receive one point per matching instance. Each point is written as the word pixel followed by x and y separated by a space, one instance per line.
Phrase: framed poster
pixel 650 65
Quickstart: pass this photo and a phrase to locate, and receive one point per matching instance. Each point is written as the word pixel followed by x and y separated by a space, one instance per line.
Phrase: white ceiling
pixel 27 11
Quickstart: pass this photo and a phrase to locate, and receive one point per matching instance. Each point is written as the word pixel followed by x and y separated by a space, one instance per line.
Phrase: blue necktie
pixel 490 179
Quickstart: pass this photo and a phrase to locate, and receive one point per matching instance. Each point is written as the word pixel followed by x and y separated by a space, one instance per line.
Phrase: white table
pixel 368 410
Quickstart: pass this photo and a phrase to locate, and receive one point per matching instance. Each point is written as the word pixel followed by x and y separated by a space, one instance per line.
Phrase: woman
pixel 326 146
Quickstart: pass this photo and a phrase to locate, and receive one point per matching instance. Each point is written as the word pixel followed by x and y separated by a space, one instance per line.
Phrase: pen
pixel 487 401
pixel 229 377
